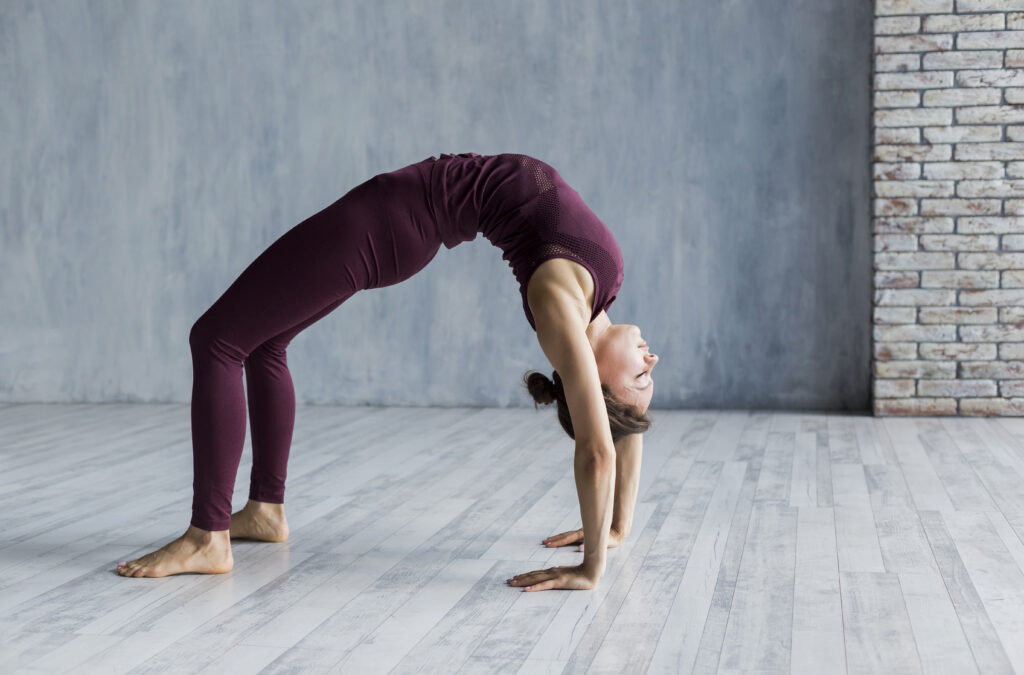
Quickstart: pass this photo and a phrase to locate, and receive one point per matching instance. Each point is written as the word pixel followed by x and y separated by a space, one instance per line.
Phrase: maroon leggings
pixel 378 234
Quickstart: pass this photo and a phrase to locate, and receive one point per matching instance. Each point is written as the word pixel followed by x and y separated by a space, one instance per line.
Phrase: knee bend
pixel 268 352
pixel 206 336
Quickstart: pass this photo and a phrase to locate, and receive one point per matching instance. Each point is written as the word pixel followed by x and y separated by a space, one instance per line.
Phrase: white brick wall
pixel 949 207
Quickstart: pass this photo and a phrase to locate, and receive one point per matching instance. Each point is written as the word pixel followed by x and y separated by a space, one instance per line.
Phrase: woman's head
pixel 624 365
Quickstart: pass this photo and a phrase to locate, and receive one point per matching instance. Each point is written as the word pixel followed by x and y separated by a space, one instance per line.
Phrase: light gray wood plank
pixel 989 655
pixel 940 640
pixel 803 489
pixel 676 650
pixel 713 635
pixel 776 469
pixel 760 628
pixel 996 576
pixel 857 539
pixel 924 484
pixel 842 439
pixel 382 649
pixel 879 638
pixel 818 643
pixel 637 626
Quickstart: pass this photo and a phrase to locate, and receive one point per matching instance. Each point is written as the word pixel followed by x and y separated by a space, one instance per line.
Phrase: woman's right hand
pixel 573 537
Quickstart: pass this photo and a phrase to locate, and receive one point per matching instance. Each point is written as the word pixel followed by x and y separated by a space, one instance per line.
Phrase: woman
pixel 381 232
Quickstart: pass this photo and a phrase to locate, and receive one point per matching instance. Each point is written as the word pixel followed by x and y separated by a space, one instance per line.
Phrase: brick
pixel 990 151
pixel 1011 351
pixel 891 407
pixel 897 63
pixel 959 242
pixel 963 60
pixel 916 43
pixel 894 315
pixel 953 23
pixel 920 80
pixel 991 261
pixel 897 25
pixel 1013 316
pixel 962 97
pixel 1013 242
pixel 959 279
pixel 958 170
pixel 883 7
pixel 914 261
pixel 895 351
pixel 1001 370
pixel 885 135
pixel 987 5
pixel 1014 132
pixel 954 207
pixel 913 153
pixel 1014 20
pixel 995 225
pixel 893 388
pixel 896 171
pixel 991 333
pixel 913 333
pixel 998 370
pixel 914 297
pixel 1012 278
pixel 987 188
pixel 895 225
pixel 999 77
pixel 895 207
pixel 1014 59
pixel 896 280
pixel 957 351
pixel 1011 296
pixel 963 134
pixel 914 117
pixel 914 188
pixel 989 298
pixel 1011 388
pixel 897 99
pixel 956 388
pixel 1015 169
pixel 992 407
pixel 1013 207
pixel 961 315
pixel 895 242
pixel 934 370
pixel 1003 39
pixel 990 114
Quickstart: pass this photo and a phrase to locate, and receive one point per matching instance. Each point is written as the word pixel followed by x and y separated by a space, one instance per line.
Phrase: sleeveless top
pixel 524 207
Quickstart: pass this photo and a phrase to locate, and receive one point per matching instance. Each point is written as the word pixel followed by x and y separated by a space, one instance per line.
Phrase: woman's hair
pixel 623 418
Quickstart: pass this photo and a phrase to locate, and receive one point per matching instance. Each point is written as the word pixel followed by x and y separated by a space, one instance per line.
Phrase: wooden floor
pixel 769 542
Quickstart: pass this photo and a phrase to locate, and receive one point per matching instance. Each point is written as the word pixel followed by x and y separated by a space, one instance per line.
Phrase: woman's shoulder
pixel 559 285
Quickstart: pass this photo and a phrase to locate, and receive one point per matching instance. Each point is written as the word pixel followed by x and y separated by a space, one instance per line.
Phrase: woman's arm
pixel 628 452
pixel 561 331
pixel 627 480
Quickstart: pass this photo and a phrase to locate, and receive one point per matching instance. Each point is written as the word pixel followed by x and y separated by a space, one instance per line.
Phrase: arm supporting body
pixel 595 484
pixel 628 452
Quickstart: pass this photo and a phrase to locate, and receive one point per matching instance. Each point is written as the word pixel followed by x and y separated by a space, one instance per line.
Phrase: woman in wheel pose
pixel 569 268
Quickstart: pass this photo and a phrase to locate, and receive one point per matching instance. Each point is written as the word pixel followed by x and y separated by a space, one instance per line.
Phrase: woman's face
pixel 624 363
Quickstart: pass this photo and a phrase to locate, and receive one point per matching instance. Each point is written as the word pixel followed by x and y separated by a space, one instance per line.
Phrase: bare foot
pixel 197 550
pixel 259 520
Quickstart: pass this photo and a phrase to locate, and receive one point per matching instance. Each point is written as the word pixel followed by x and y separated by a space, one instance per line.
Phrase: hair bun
pixel 541 388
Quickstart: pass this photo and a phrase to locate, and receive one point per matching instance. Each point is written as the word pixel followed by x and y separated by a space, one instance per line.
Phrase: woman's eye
pixel 641 375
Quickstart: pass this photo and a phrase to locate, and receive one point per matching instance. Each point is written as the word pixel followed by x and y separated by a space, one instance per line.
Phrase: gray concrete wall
pixel 153 149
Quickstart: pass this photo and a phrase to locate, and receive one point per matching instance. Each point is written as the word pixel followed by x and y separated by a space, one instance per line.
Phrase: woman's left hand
pixel 569 577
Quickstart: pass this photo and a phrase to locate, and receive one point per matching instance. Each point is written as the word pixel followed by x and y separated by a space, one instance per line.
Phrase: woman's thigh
pixel 378 234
